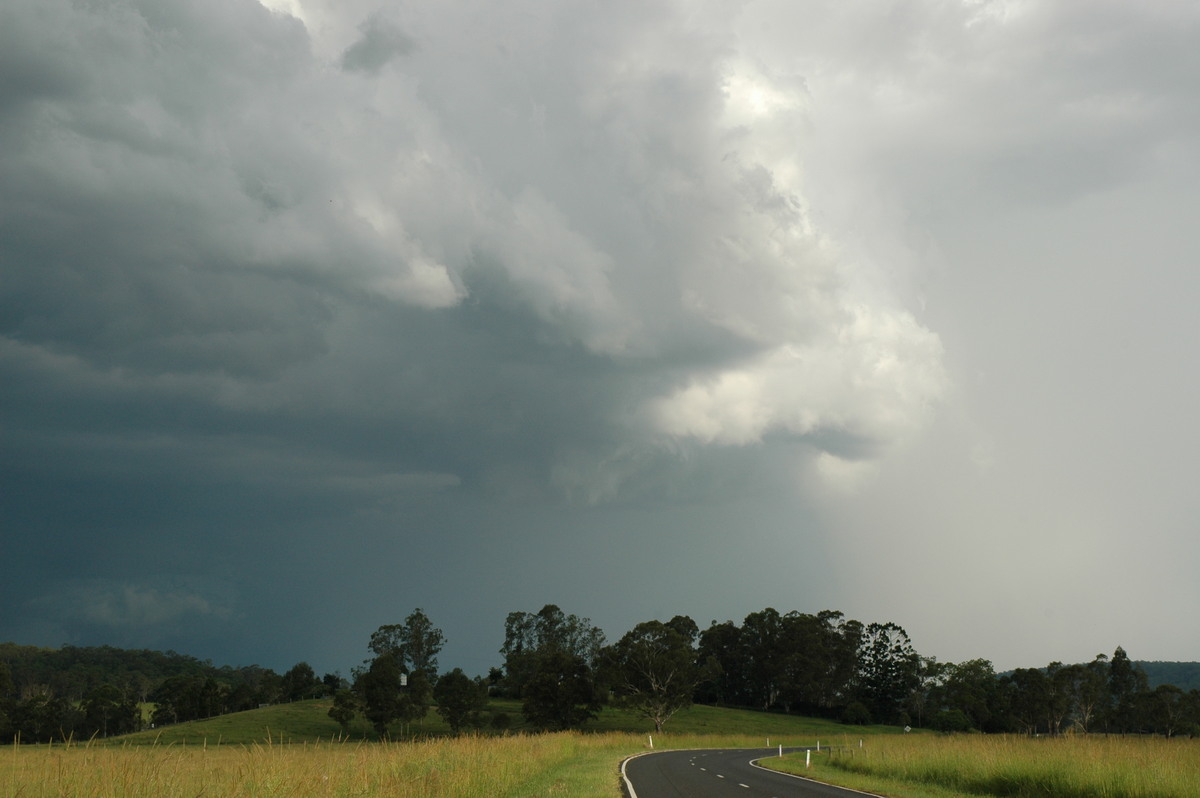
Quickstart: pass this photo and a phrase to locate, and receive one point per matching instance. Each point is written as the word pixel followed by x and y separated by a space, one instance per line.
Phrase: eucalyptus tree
pixel 1125 682
pixel 460 700
pixel 550 661
pixel 653 669
pixel 415 643
pixel 721 644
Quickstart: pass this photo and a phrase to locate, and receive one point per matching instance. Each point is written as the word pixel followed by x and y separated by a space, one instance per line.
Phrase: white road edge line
pixel 625 776
pixel 754 764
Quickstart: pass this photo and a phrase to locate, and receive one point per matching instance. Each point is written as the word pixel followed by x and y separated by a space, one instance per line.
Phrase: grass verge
pixel 935 766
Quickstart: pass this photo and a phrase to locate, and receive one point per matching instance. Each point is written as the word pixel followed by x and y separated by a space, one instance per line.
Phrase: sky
pixel 314 312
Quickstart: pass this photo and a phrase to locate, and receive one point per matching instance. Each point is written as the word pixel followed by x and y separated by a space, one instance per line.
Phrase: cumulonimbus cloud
pixel 629 184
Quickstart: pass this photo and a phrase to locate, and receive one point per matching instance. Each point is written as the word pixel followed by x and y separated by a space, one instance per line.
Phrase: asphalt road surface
pixel 719 774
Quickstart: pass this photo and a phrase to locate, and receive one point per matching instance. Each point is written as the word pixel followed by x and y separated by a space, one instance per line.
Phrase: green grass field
pixel 308 721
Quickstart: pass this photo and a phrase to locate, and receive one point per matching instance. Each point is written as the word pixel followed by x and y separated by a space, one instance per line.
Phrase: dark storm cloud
pixel 247 294
pixel 312 315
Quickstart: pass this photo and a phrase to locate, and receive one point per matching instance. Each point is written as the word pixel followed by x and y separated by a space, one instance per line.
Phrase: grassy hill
pixel 308 721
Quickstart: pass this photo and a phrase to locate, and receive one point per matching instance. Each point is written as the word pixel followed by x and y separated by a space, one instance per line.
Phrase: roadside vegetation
pixel 297 750
pixel 565 764
pixel 1068 766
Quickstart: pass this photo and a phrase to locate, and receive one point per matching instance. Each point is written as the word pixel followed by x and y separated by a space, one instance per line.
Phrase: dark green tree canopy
pixel 550 660
pixel 888 670
pixel 561 692
pixel 460 700
pixel 653 669
pixel 301 682
pixel 415 643
pixel 380 691
pixel 527 636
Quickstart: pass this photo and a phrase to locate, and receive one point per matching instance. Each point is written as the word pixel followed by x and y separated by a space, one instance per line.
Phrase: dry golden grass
pixel 567 765
pixel 468 767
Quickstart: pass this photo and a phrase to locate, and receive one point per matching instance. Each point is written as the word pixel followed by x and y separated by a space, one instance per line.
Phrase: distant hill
pixel 1184 675
pixel 72 671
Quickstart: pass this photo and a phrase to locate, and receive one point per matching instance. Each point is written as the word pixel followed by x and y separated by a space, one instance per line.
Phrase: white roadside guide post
pixel 808 758
pixel 781 749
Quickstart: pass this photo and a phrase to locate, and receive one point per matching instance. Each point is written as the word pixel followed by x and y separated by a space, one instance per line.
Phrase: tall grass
pixel 567 765
pixel 463 767
pixel 1063 767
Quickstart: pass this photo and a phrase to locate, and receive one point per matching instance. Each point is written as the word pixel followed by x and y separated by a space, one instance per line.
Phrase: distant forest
pixel 563 671
pixel 1184 675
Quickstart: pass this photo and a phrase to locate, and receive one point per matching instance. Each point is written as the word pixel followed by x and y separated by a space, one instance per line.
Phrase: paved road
pixel 719 774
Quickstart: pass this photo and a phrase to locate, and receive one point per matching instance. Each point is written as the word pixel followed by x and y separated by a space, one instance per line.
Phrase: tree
pixel 1088 687
pixel 415 643
pixel 654 671
pixel 888 670
pixel 43 717
pixel 972 688
pixel 930 675
pixel 345 706
pixel 1030 698
pixel 721 646
pixel 188 697
pixel 332 682
pixel 460 700
pixel 379 690
pixel 561 692
pixel 301 682
pixel 1166 705
pixel 1125 682
pixel 415 697
pixel 763 638
pixel 7 701
pixel 106 711
pixel 817 659
pixel 528 635
pixel 1059 696
pixel 549 662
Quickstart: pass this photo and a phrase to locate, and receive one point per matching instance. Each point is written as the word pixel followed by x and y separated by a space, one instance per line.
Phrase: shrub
pixel 856 714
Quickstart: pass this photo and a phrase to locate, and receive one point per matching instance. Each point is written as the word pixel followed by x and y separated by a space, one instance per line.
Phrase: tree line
pixel 562 671
pixel 81 692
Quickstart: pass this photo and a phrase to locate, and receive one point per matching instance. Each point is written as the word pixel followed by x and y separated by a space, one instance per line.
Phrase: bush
pixel 950 720
pixel 856 714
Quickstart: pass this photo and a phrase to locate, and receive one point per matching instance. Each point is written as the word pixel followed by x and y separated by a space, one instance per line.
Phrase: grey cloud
pixel 381 42
pixel 574 278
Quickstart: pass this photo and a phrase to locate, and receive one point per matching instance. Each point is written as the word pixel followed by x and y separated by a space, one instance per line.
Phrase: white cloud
pixel 874 378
